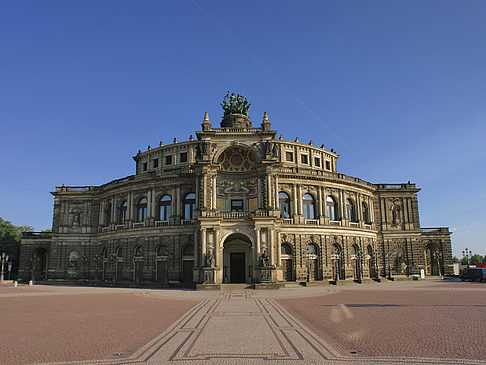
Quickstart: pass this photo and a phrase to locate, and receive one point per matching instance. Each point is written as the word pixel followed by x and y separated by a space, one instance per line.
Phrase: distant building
pixel 236 204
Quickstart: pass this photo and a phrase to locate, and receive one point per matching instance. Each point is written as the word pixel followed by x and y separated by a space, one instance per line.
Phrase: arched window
pixel 188 250
pixel 286 249
pixel 142 209
pixel 311 249
pixel 161 250
pixel 366 213
pixel 350 211
pixel 189 206
pixel 331 208
pixel 123 212
pixel 138 251
pixel 284 205
pixel 308 201
pixel 104 254
pixel 164 208
pixel 119 252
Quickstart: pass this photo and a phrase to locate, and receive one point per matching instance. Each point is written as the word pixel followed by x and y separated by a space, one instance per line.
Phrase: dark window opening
pixel 289 156
pixel 304 159
pixel 183 157
pixel 317 161
pixel 144 166
pixel 168 160
pixel 156 163
pixel 328 165
pixel 237 205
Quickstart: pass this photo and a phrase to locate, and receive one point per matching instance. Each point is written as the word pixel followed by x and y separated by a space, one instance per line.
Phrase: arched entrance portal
pixel 237 259
pixel 39 264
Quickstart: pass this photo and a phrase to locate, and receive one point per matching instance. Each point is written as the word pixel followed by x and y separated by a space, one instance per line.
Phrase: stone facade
pixel 236 204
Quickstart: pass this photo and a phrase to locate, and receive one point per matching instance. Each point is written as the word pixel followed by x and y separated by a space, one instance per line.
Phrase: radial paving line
pixel 246 327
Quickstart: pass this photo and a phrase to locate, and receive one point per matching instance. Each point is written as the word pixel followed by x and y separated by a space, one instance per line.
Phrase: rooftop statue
pixel 235 104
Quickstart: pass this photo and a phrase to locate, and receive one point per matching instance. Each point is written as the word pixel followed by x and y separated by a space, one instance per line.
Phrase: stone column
pixel 271 246
pixel 179 200
pixel 130 208
pixel 342 205
pixel 276 192
pixel 197 192
pixel 371 210
pixel 299 200
pixel 359 214
pixel 213 178
pixel 319 202
pixel 259 193
pixel 257 251
pixel 203 245
pixel 217 248
pixel 173 202
pixel 269 192
pixel 149 204
pixel 295 210
pixel 278 249
pixel 102 213
pixel 196 248
pixel 383 213
pixel 204 185
pixel 113 209
pixel 154 205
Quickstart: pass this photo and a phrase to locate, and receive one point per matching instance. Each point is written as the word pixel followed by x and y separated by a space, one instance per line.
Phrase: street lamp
pixel 359 257
pixel 377 269
pixel 96 260
pixel 438 256
pixel 114 259
pixel 388 257
pixel 467 254
pixel 85 263
pixel 335 260
pixel 4 260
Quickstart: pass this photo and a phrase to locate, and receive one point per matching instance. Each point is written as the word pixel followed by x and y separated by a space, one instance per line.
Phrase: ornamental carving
pixel 287 238
pixel 237 159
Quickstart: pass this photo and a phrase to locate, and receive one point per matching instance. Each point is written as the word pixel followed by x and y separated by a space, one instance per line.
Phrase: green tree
pixel 10 241
pixel 455 260
pixel 476 259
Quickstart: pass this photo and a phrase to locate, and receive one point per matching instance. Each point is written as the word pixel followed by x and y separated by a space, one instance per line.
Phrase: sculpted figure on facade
pixel 264 259
pixel 209 262
pixel 235 104
pixel 395 212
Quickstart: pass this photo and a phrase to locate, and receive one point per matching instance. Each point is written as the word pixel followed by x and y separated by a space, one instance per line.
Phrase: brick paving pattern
pixel 388 323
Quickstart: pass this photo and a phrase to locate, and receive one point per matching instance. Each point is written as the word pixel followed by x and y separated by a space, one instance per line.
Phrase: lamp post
pixel 467 254
pixel 96 260
pixel 359 258
pixel 377 269
pixel 438 256
pixel 388 257
pixel 114 259
pixel 85 263
pixel 4 260
pixel 335 260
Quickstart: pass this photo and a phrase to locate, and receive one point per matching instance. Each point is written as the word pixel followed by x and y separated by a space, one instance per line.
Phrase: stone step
pixel 236 286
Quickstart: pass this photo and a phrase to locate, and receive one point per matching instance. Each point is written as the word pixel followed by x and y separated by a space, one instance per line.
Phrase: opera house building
pixel 235 204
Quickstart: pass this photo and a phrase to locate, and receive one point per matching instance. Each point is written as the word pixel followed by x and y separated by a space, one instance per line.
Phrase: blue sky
pixel 398 89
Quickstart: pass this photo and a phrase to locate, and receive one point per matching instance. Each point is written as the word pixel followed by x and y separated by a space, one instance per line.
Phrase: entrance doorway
pixel 287 261
pixel 237 259
pixel 237 267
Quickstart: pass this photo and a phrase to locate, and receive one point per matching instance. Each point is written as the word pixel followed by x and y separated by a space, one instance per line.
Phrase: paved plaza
pixel 410 322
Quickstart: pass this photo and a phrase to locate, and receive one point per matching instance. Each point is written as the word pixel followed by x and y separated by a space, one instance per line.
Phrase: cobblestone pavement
pixel 292 325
